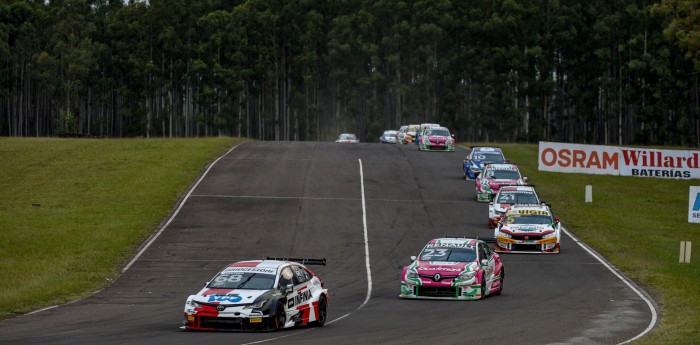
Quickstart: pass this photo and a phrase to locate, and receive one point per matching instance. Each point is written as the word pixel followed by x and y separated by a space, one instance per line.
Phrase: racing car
pixel 347 138
pixel 454 268
pixel 493 177
pixel 478 158
pixel 267 294
pixel 436 139
pixel 508 196
pixel 528 228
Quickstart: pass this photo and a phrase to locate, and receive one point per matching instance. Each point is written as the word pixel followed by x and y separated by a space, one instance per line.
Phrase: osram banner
pixel 613 160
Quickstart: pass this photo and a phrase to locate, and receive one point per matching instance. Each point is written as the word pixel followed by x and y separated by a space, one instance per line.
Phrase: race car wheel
pixel 322 305
pixel 279 319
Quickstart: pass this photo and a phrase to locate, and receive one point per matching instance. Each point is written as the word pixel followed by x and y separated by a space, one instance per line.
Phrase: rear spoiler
pixel 485 239
pixel 302 261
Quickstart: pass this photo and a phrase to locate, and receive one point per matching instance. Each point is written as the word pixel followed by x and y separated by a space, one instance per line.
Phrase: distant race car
pixel 410 135
pixel 508 196
pixel 259 295
pixel 388 137
pixel 401 135
pixel 436 139
pixel 453 268
pixel 421 129
pixel 528 228
pixel 493 177
pixel 478 157
pixel 347 138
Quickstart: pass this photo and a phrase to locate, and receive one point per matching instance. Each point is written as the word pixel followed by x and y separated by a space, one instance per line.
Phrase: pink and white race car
pixel 453 268
pixel 493 177
pixel 260 294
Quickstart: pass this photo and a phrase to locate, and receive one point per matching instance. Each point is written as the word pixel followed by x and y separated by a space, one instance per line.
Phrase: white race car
pixel 508 196
pixel 528 228
pixel 260 294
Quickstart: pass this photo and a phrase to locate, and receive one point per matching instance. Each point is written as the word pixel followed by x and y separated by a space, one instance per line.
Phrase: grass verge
pixel 72 211
pixel 637 224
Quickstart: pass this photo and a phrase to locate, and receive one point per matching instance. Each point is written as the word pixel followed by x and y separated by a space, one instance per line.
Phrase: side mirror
pixel 484 262
pixel 413 258
pixel 286 289
pixel 556 219
pixel 525 178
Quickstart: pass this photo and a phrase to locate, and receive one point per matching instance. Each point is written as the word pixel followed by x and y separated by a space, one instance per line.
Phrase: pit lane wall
pixel 622 161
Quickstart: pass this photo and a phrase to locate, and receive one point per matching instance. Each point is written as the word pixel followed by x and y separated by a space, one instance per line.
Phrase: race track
pixel 305 199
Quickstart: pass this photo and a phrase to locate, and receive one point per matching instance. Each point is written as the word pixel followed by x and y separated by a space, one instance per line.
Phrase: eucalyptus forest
pixel 618 72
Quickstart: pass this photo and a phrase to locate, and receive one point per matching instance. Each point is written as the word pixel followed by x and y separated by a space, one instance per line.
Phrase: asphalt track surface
pixel 305 199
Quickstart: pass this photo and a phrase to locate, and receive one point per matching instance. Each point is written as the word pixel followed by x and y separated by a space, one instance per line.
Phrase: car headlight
pixel 503 234
pixel 467 275
pixel 255 305
pixel 550 235
pixel 195 304
pixel 474 168
pixel 412 274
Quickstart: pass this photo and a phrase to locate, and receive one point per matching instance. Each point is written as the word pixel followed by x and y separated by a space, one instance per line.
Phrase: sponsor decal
pixel 225 298
pixel 229 270
pixel 530 212
pixel 299 299
pixel 450 245
pixel 623 161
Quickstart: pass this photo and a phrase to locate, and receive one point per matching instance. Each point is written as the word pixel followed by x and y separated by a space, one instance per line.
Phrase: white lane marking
pixel 367 266
pixel 654 316
pixel 364 224
pixel 182 203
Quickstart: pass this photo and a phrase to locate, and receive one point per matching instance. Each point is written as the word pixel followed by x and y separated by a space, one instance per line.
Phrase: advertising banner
pixel 694 205
pixel 623 161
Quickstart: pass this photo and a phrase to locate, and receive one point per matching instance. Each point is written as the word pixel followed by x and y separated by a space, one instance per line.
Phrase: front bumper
pixel 469 291
pixel 208 318
pixel 509 245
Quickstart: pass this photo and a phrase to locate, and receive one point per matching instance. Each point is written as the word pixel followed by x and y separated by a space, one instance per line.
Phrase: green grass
pixel 637 224
pixel 72 211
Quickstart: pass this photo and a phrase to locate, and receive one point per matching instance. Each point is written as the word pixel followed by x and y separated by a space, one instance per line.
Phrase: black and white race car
pixel 259 294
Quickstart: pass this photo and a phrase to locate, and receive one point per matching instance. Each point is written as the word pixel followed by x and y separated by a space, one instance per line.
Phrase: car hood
pixel 529 228
pixel 444 268
pixel 228 296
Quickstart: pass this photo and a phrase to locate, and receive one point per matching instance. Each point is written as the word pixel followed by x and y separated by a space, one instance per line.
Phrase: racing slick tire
pixel 322 306
pixel 278 320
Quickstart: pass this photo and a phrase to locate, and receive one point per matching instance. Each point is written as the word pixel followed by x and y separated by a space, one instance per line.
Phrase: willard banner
pixel 613 160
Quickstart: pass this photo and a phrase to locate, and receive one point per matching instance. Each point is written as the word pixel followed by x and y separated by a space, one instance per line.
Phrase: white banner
pixel 613 160
pixel 694 205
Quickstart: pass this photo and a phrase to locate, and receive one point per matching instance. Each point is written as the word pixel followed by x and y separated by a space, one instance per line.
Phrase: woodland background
pixel 597 71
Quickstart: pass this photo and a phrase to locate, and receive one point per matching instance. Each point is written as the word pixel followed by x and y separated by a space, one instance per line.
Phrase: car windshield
pixel 347 137
pixel 437 132
pixel 489 157
pixel 248 280
pixel 529 219
pixel 503 174
pixel 390 133
pixel 448 254
pixel 517 198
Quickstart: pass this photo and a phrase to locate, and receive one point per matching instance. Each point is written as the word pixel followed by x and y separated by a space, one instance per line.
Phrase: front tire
pixel 322 306
pixel 279 319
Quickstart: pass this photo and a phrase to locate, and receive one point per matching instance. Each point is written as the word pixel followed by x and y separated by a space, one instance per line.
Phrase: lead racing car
pixel 453 268
pixel 436 139
pixel 527 229
pixel 259 295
